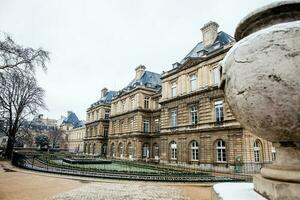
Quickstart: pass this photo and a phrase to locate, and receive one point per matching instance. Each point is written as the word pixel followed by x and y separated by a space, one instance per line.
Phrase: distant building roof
pixel 148 79
pixel 106 99
pixel 71 119
pixel 199 50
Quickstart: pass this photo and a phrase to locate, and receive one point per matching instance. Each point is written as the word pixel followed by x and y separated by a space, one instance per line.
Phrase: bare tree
pixel 14 56
pixel 20 98
pixel 56 137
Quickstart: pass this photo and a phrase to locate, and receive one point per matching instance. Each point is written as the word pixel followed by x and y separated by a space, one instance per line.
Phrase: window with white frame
pixel 257 151
pixel 123 106
pixel 273 153
pixel 216 75
pixel 174 118
pixel 121 150
pixel 146 102
pixel 193 82
pixel 106 114
pixel 130 150
pixel 194 151
pixel 105 132
pixel 221 151
pixel 194 115
pixel 146 126
pixel 173 149
pixel 131 124
pixel 219 111
pixel 173 88
pixel 156 151
pixel 132 102
pixel 146 150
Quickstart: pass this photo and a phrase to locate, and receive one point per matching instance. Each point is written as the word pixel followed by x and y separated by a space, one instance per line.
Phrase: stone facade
pixel 97 125
pixel 135 117
pixel 187 120
pixel 75 139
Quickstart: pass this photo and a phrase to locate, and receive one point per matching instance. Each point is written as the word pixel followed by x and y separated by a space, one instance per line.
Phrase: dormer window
pixel 216 46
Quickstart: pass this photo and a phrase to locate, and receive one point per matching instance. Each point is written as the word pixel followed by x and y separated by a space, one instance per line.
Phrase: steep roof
pixel 199 50
pixel 71 119
pixel 105 99
pixel 148 79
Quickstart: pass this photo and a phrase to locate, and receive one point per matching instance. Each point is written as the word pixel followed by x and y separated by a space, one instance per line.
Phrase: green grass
pixel 115 166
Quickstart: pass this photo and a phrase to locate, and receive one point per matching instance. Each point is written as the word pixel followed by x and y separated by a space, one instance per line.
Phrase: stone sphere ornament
pixel 261 82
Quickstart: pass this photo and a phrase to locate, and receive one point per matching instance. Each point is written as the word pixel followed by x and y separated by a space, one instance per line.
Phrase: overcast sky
pixel 96 44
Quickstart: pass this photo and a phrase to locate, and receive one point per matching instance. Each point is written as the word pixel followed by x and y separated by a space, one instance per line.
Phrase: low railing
pixel 121 169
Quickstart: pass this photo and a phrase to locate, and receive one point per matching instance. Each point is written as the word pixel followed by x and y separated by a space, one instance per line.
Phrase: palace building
pixel 135 117
pixel 97 124
pixel 177 117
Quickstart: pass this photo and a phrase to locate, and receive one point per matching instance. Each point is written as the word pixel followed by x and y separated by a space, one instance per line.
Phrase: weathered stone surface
pixel 276 190
pixel 262 82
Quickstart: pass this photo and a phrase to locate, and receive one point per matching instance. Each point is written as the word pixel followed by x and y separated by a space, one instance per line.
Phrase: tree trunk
pixel 9 148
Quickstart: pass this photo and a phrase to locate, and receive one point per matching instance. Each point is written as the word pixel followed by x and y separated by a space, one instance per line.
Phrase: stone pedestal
pixel 276 190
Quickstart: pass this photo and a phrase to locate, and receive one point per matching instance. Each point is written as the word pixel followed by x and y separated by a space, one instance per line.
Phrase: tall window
pixel 173 88
pixel 131 124
pixel 173 147
pixel 156 125
pixel 156 151
pixel 130 150
pixel 173 118
pixel 106 114
pixel 146 150
pixel 123 106
pixel 121 150
pixel 221 151
pixel 105 132
pixel 194 151
pixel 146 102
pixel 257 151
pixel 273 153
pixel 132 103
pixel 193 82
pixel 194 115
pixel 216 75
pixel 219 111
pixel 112 150
pixel 146 126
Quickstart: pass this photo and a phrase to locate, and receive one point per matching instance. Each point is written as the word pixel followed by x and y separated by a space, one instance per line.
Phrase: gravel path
pixel 120 191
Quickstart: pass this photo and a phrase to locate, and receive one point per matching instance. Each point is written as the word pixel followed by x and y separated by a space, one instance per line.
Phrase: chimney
pixel 69 113
pixel 209 33
pixel 139 71
pixel 103 92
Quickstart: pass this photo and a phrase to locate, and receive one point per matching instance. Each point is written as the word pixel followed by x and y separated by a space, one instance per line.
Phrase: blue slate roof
pixel 72 119
pixel 148 79
pixel 199 50
pixel 105 100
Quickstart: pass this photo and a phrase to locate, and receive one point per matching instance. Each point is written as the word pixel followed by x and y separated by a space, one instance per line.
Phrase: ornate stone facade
pixel 187 119
pixel 95 140
pixel 135 117
pixel 75 139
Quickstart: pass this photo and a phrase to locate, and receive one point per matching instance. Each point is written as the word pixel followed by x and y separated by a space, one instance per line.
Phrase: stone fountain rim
pixel 274 13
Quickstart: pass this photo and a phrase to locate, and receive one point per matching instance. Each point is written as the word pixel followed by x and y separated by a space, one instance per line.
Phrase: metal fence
pixel 134 170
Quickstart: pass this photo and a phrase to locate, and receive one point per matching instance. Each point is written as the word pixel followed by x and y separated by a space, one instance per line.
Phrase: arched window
pixel 103 150
pixel 194 151
pixel 257 151
pixel 221 151
pixel 121 150
pixel 155 151
pixel 145 150
pixel 112 150
pixel 130 150
pixel 173 148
